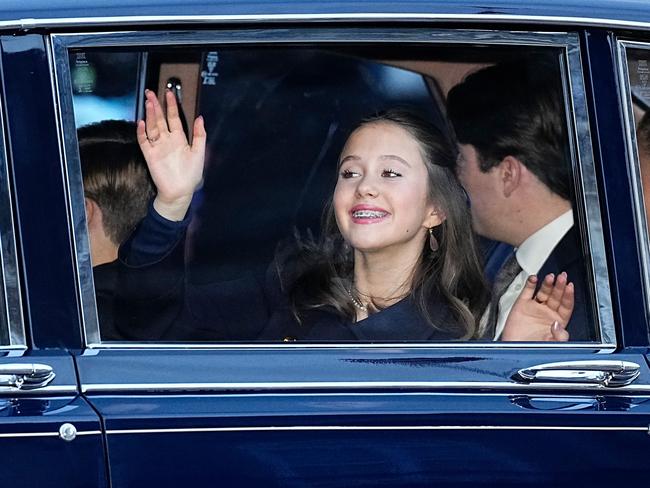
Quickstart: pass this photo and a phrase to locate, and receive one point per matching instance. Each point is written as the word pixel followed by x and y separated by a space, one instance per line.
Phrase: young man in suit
pixel 117 190
pixel 515 165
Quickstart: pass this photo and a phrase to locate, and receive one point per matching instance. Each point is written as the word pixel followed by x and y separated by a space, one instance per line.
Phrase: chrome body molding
pixel 582 396
pixel 329 428
pixel 576 110
pixel 353 386
pixel 152 20
pixel 13 435
pixel 47 390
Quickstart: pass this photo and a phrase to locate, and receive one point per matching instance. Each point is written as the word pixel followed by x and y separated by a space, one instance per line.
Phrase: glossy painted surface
pixel 107 370
pixel 397 417
pixel 631 10
pixel 379 439
pixel 32 452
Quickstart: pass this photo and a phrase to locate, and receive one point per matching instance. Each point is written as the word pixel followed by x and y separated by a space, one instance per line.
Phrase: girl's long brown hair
pixel 324 272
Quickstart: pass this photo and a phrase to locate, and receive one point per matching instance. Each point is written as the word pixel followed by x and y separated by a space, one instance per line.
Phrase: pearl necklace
pixel 356 302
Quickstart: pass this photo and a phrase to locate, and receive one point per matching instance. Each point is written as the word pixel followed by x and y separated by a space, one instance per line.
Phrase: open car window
pixel 277 118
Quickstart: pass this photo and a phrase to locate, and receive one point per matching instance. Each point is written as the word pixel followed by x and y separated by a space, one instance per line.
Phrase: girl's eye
pixel 390 173
pixel 346 173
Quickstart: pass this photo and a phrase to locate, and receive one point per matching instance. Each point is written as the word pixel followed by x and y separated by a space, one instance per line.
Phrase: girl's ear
pixel 435 218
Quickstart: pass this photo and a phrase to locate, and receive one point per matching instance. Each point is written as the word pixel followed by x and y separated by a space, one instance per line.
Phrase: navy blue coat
pixel 155 302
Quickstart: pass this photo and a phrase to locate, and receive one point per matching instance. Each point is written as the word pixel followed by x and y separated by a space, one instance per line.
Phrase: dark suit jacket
pixel 105 278
pixel 567 256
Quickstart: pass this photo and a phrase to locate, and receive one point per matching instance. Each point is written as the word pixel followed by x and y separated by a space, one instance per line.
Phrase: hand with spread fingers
pixel 541 316
pixel 176 167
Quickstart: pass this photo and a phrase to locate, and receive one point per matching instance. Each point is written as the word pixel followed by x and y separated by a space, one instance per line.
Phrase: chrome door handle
pixel 610 373
pixel 25 376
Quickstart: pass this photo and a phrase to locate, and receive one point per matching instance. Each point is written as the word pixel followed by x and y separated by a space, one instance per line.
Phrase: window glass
pixel 638 78
pixel 104 85
pixel 355 194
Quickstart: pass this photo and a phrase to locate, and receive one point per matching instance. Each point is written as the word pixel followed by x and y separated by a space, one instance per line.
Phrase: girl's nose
pixel 367 187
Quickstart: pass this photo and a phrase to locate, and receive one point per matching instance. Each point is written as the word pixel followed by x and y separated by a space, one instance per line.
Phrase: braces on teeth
pixel 368 214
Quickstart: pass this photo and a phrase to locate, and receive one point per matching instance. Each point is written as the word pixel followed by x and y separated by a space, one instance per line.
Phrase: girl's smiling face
pixel 381 199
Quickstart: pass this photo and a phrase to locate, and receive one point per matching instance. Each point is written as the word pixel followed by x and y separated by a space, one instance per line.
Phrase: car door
pixel 49 435
pixel 400 413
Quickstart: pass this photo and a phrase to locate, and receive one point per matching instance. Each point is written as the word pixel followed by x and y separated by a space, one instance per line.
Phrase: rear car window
pixel 277 120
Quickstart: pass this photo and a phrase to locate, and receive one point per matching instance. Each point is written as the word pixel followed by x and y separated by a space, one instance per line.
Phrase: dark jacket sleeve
pixel 155 301
pixel 150 285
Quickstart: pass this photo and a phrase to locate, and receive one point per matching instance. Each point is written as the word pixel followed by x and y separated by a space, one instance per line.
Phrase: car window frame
pixel 634 165
pixel 9 277
pixel 589 219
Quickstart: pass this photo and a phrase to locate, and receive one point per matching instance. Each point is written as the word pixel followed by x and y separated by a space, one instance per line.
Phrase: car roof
pixel 26 14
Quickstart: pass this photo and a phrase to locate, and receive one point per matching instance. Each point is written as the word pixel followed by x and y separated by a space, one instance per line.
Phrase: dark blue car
pixel 280 85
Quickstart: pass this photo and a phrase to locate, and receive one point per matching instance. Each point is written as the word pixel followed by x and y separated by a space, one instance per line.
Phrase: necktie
pixel 502 281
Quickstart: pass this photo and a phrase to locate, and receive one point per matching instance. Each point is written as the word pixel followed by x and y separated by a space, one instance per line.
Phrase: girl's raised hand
pixel 176 167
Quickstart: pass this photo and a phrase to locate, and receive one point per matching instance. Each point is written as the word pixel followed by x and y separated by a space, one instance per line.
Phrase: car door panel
pixel 402 418
pixel 330 439
pixel 49 436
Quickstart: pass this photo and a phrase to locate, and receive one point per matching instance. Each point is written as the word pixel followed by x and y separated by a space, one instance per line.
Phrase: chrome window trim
pixel 301 34
pixel 26 24
pixel 589 218
pixel 9 277
pixel 71 169
pixel 583 347
pixel 356 386
pixel 330 428
pixel 575 102
pixel 632 161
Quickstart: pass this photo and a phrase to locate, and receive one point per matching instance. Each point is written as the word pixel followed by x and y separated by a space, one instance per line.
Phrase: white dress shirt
pixel 531 256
